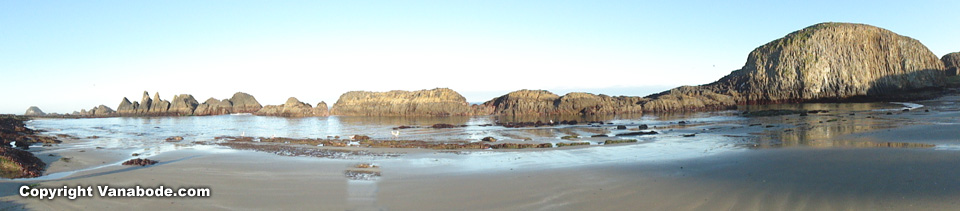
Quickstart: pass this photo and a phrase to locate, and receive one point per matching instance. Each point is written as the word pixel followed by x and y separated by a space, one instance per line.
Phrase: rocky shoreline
pixel 825 62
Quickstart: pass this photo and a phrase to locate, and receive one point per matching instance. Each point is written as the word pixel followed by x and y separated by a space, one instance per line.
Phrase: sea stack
pixel 542 102
pixel 434 102
pixel 34 111
pixel 244 103
pixel 833 62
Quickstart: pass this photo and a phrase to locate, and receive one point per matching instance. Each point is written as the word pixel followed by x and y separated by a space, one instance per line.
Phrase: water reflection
pixel 825 130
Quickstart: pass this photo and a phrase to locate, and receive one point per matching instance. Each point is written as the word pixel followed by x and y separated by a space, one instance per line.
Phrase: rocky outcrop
pixel 434 102
pixel 951 62
pixel 292 108
pixel 183 105
pixel 34 111
pixel 214 107
pixel 835 62
pixel 321 109
pixel 99 111
pixel 524 102
pixel 244 103
pixel 126 108
pixel 158 106
pixel 145 103
pixel 542 102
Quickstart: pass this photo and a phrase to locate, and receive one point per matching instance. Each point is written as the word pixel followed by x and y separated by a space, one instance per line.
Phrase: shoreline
pixel 716 169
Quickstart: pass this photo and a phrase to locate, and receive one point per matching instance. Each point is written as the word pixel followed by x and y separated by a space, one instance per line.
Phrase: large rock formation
pixel 145 103
pixel 183 105
pixel 321 109
pixel 126 108
pixel 434 102
pixel 158 106
pixel 292 108
pixel 214 107
pixel 34 111
pixel 99 111
pixel 951 62
pixel 824 62
pixel 244 103
pixel 542 102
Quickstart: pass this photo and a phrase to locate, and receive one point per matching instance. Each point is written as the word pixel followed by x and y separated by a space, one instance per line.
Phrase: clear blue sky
pixel 68 55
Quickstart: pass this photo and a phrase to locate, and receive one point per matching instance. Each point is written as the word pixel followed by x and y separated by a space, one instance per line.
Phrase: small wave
pixel 909 106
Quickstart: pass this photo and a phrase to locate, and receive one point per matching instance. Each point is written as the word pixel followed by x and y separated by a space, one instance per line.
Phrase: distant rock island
pixel 826 62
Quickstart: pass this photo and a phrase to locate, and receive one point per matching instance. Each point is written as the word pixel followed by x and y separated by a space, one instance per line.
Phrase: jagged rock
pixel 214 107
pixel 951 62
pixel 34 111
pixel 542 102
pixel 145 103
pixel 824 62
pixel 434 102
pixel 292 108
pixel 126 108
pixel 183 105
pixel 158 106
pixel 99 111
pixel 244 103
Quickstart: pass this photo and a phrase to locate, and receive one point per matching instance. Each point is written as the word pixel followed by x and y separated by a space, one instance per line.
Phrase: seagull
pixel 396 133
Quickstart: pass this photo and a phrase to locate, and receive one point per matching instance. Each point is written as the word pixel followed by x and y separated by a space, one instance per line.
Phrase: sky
pixel 63 56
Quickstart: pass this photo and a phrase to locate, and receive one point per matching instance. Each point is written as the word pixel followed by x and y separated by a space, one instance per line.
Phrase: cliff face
pixel 951 62
pixel 542 102
pixel 834 61
pixel 434 102
pixel 824 62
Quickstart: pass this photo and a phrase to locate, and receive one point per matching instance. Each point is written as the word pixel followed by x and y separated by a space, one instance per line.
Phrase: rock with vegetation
pixel 34 111
pixel 951 62
pixel 434 102
pixel 16 163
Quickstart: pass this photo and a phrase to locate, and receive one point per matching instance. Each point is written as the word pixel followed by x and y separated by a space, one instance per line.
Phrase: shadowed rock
pixel 183 105
pixel 951 62
pixel 158 106
pixel 434 102
pixel 34 111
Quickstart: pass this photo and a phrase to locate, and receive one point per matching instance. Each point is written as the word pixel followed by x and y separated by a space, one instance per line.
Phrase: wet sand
pixel 784 176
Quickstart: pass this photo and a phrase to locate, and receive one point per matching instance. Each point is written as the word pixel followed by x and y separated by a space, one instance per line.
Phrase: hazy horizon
pixel 67 56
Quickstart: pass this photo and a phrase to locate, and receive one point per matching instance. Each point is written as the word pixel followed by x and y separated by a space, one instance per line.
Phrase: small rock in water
pixel 621 127
pixel 489 139
pixel 643 127
pixel 175 139
pixel 139 162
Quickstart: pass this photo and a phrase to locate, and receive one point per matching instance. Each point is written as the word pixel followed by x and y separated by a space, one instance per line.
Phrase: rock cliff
pixel 951 62
pixel 834 62
pixel 434 102
pixel 34 111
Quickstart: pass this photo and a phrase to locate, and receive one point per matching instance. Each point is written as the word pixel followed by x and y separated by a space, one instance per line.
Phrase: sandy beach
pixel 837 161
